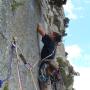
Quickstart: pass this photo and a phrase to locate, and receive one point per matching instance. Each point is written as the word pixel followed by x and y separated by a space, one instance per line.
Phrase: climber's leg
pixel 44 86
pixel 54 64
pixel 55 70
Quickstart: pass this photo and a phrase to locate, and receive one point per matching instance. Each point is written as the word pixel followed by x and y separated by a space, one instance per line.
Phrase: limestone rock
pixel 19 18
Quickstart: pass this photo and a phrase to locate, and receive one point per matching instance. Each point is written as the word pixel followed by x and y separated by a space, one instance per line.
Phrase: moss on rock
pixel 15 5
pixel 6 86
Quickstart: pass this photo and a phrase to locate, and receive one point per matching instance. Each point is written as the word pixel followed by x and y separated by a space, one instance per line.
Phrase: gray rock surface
pixel 20 21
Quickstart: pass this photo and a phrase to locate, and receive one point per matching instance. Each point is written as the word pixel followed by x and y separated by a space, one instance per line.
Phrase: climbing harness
pixel 43 77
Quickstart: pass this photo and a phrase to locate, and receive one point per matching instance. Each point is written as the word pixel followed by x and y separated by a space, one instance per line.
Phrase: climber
pixel 50 42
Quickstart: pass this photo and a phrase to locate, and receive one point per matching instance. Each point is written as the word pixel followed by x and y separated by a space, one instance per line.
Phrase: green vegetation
pixel 16 4
pixel 6 86
pixel 61 62
pixel 68 79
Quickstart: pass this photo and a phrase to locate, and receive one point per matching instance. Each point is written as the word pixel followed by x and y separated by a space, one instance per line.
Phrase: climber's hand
pixel 41 30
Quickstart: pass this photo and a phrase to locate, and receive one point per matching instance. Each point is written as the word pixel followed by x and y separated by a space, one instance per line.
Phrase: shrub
pixel 67 79
pixel 6 86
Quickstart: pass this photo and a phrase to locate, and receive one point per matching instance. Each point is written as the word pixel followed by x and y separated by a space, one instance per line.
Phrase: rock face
pixel 20 23
pixel 19 18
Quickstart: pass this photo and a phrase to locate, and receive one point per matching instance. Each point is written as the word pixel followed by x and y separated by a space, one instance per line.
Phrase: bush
pixel 6 87
pixel 67 79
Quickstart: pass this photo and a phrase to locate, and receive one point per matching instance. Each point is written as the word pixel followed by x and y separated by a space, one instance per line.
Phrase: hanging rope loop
pixel 11 54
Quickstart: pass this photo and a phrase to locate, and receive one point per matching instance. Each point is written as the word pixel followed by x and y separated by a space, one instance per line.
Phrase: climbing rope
pixel 19 77
pixel 11 52
pixel 33 79
pixel 28 66
pixel 44 59
pixel 13 48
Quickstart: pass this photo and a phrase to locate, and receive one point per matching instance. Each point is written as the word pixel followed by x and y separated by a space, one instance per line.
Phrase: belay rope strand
pixel 27 65
pixel 11 52
pixel 19 77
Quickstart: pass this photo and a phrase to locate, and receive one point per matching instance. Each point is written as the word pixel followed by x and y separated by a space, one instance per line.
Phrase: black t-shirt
pixel 48 48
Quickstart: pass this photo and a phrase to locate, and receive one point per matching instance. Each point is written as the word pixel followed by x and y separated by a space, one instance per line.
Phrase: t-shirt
pixel 48 48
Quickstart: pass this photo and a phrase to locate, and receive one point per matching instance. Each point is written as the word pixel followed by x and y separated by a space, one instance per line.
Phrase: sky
pixel 77 41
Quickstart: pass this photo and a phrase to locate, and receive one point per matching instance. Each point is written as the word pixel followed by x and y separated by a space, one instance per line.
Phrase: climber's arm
pixel 41 30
